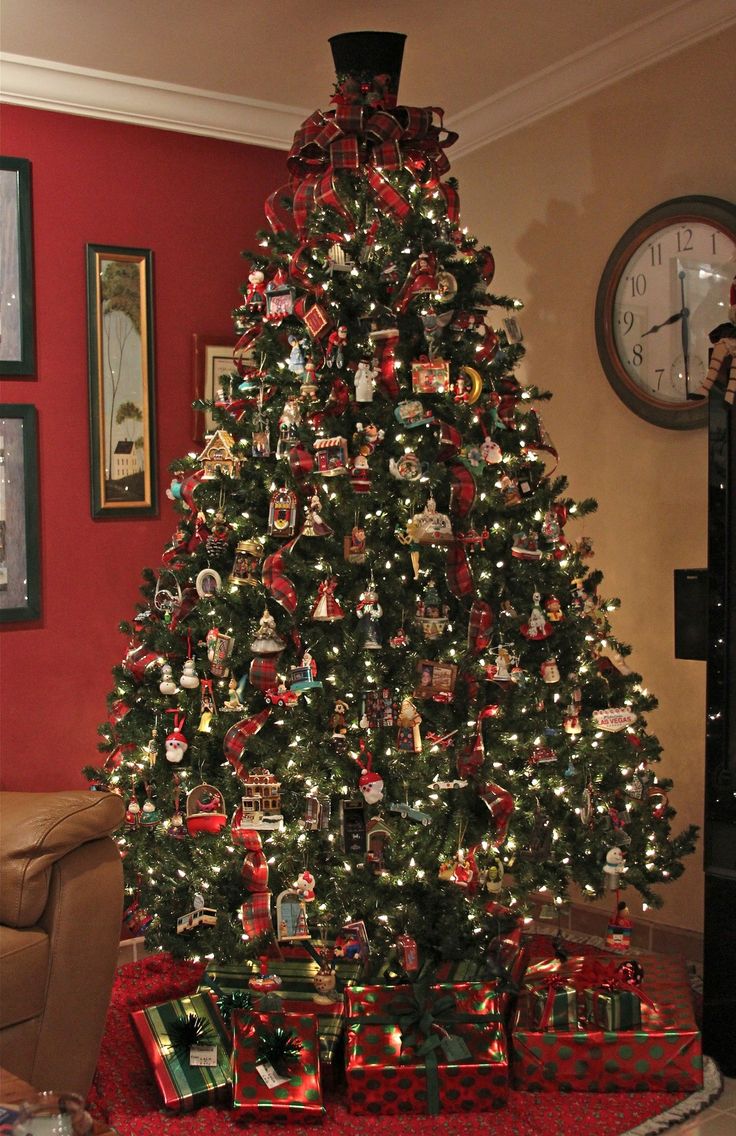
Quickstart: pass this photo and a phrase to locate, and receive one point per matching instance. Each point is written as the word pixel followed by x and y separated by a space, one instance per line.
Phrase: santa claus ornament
pixel 176 744
pixel 370 782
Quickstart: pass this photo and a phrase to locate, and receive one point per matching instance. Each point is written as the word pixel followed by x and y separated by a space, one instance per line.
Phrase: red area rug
pixel 126 1097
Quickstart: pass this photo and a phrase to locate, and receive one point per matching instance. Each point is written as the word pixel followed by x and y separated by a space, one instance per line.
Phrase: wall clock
pixel 664 288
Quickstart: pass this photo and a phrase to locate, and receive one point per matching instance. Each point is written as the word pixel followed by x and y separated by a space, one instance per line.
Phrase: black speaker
pixel 691 613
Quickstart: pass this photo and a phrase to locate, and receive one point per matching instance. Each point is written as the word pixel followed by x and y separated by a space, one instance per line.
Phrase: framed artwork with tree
pixel 121 381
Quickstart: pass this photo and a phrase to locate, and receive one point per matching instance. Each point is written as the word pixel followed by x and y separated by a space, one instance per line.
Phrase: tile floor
pixel 717 1120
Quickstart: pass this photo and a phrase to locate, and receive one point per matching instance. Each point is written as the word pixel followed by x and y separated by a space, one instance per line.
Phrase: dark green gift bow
pixel 422 1017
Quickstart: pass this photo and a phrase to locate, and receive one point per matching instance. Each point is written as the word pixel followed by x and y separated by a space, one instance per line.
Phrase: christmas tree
pixel 373 689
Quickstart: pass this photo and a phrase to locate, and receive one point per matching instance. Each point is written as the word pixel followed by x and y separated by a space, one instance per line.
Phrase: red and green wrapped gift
pixel 613 1009
pixel 185 1086
pixel 275 1067
pixel 424 1048
pixel 662 1054
pixel 298 996
pixel 555 1006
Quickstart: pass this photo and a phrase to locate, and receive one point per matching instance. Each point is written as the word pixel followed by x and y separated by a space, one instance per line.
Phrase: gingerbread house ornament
pixel 218 456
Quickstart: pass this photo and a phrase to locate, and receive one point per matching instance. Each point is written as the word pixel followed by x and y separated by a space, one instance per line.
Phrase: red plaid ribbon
pixel 386 350
pixel 188 485
pixel 387 196
pixel 459 576
pixel 277 582
pixel 480 626
pixel 255 864
pixel 263 672
pixel 273 201
pixel 500 804
pixel 235 739
pixel 256 914
pixel 301 463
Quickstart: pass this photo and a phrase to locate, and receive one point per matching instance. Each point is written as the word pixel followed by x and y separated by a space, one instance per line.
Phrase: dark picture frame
pixel 212 359
pixel 20 561
pixel 17 331
pixel 121 381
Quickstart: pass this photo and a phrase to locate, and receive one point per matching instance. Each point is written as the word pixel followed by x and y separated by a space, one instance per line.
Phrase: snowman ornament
pixel 613 868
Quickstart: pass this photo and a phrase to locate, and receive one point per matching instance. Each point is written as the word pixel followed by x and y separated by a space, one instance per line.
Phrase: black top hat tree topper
pixel 368 64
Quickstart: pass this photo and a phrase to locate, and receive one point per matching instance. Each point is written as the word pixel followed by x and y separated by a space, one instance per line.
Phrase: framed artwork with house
pixel 121 381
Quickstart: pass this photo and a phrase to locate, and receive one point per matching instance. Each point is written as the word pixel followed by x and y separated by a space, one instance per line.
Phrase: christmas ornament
pixel 291 917
pixel 255 293
pixel 219 649
pixel 412 413
pixel 408 953
pixel 267 640
pixel 379 708
pixel 308 389
pixel 282 513
pixel 549 670
pixel 408 467
pixel 429 526
pixel 335 350
pixel 468 386
pixel 369 612
pixel 370 783
pixel 279 297
pixel 260 806
pixel 208 583
pixel 313 525
pixel 430 376
pixel 409 738
pixel 553 609
pixel 436 680
pixel 618 935
pixel 167 684
pixel 354 545
pixel 296 359
pixel 289 422
pixel 205 810
pixel 614 719
pixel 133 812
pixel 525 546
pixel 189 679
pixel 378 835
pixel 326 608
pixel 422 277
pixel 331 456
pixel 317 811
pixel 167 599
pixel 176 829
pixel 304 677
pixel 338 724
pixel 150 816
pixel 176 744
pixel 218 457
pixel 431 615
pixel 365 374
pixel 248 553
pixel 537 627
pixel 207 706
pixel 613 868
pixel 500 804
pixel 304 886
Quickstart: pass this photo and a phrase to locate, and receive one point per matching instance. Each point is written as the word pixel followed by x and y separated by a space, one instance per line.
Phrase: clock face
pixel 665 288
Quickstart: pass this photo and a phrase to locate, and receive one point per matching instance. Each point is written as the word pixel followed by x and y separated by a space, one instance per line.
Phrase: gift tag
pixel 269 1076
pixel 203 1056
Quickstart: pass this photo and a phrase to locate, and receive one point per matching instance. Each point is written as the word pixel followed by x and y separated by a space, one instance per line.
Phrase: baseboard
pixel 646 934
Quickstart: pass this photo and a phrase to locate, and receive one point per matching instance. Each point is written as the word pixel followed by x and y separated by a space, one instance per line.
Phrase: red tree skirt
pixel 125 1094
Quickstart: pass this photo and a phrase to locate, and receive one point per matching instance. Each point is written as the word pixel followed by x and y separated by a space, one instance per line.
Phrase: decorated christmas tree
pixel 373 690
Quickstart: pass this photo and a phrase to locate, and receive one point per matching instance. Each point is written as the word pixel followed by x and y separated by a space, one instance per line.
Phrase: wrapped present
pixel 185 1083
pixel 506 970
pixel 298 995
pixel 555 1006
pixel 276 1067
pixel 425 1049
pixel 613 1009
pixel 661 1054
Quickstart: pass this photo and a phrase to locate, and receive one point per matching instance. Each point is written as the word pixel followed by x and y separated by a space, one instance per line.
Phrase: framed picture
pixel 17 332
pixel 435 680
pixel 20 577
pixel 121 381
pixel 213 366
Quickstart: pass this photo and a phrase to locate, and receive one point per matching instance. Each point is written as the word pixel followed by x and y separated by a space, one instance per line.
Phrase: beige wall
pixel 552 200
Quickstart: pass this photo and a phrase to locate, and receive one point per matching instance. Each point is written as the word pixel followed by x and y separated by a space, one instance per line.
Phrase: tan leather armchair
pixel 61 901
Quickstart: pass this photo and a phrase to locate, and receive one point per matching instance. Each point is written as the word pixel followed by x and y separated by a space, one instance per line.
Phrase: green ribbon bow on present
pixel 190 1030
pixel 420 1014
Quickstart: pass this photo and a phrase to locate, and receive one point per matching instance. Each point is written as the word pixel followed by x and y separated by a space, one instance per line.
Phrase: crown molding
pixel 637 46
pixel 48 85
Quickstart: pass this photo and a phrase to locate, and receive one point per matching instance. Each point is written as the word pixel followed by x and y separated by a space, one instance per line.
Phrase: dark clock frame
pixel 712 210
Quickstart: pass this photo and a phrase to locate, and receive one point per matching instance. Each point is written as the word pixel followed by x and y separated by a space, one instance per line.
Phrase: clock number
pixel 656 254
pixel 628 320
pixel 659 372
pixel 637 355
pixel 713 242
pixel 684 243
pixel 638 285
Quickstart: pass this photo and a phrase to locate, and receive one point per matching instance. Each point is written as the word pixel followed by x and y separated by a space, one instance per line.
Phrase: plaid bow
pixel 276 582
pixel 256 914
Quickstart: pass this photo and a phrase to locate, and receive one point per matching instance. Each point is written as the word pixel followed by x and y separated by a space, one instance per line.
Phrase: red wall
pixel 197 203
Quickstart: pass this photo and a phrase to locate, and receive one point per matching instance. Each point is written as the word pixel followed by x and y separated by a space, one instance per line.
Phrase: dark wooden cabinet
pixel 719 836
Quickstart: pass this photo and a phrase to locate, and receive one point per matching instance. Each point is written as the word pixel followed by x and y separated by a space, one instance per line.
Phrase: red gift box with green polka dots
pixel 663 1054
pixel 260 1092
pixel 386 1076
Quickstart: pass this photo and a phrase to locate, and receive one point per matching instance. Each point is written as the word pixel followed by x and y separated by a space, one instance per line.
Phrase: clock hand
pixel 684 329
pixel 656 327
